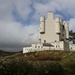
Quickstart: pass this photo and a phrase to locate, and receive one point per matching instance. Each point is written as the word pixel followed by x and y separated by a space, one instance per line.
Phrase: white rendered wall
pixel 40 47
pixel 58 45
pixel 50 34
pixel 42 24
pixel 54 29
pixel 57 25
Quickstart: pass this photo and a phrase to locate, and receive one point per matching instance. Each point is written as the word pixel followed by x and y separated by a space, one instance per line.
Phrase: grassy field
pixel 60 62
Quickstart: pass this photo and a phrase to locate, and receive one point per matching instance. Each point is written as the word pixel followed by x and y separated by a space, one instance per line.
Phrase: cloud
pixel 19 20
pixel 23 8
pixel 72 24
pixel 63 6
pixel 13 34
pixel 67 7
pixel 6 10
pixel 42 9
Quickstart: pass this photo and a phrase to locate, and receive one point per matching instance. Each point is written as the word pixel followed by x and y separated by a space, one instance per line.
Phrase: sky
pixel 19 20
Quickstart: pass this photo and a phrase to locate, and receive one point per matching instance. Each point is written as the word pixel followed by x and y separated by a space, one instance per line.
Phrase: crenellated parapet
pixel 57 25
pixel 42 24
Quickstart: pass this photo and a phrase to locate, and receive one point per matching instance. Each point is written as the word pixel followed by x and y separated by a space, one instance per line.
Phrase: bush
pixel 15 68
pixel 24 68
pixel 70 68
pixel 52 68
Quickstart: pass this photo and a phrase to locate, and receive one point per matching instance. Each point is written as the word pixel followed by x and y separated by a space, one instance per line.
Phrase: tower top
pixel 42 18
pixel 50 14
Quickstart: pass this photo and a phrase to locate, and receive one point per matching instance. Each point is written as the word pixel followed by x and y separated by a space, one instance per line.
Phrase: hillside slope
pixel 5 53
pixel 65 58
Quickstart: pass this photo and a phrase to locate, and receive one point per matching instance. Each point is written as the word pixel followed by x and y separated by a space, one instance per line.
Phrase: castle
pixel 53 35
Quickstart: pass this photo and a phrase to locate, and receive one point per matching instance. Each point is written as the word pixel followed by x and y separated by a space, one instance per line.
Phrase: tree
pixel 72 36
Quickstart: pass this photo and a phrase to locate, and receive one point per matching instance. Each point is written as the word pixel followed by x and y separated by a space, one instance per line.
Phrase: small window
pixel 35 46
pixel 55 40
pixel 56 46
pixel 38 46
pixel 44 41
pixel 63 27
pixel 41 46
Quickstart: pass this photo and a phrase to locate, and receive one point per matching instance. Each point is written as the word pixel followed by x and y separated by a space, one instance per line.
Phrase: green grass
pixel 65 58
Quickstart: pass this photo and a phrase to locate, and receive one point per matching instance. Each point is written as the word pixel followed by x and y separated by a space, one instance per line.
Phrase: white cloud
pixel 67 7
pixel 23 8
pixel 72 24
pixel 6 10
pixel 14 34
pixel 63 6
pixel 42 9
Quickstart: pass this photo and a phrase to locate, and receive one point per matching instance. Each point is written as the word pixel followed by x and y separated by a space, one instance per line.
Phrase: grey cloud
pixel 14 35
pixel 6 10
pixel 23 8
pixel 72 24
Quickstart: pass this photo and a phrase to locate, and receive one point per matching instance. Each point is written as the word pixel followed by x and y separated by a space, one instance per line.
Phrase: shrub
pixel 52 68
pixel 15 68
pixel 22 67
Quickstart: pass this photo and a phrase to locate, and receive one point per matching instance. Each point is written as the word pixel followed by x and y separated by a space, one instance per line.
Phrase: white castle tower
pixel 53 35
pixel 53 30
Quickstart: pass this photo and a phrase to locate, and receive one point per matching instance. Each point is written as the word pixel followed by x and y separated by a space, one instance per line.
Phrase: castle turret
pixel 42 24
pixel 61 21
pixel 66 29
pixel 57 25
pixel 50 15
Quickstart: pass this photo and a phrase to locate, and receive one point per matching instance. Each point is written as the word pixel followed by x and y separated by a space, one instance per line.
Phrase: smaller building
pixel 53 35
pixel 46 46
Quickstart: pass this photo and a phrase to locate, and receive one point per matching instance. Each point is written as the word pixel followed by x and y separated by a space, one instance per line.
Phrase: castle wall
pixel 50 34
pixel 42 47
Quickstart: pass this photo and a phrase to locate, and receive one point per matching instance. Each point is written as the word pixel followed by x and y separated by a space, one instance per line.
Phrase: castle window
pixel 41 46
pixel 55 40
pixel 63 27
pixel 56 46
pixel 38 46
pixel 35 46
pixel 44 41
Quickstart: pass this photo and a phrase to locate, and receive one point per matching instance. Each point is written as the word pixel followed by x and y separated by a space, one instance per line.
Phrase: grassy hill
pixel 5 53
pixel 58 62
